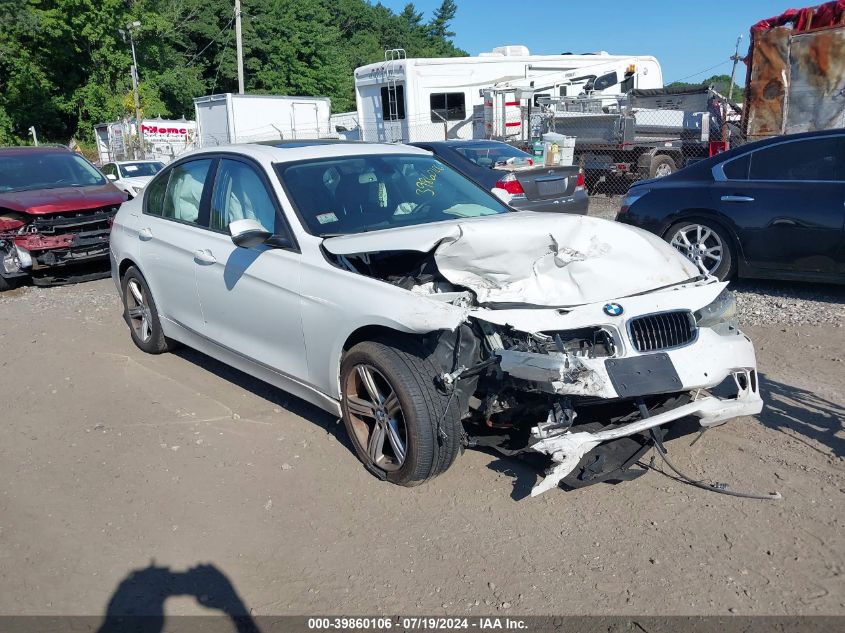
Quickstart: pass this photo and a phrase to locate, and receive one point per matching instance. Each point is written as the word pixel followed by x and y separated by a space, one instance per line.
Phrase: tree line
pixel 64 64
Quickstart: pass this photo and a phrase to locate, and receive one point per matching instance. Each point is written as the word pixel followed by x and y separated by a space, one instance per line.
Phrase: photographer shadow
pixel 137 605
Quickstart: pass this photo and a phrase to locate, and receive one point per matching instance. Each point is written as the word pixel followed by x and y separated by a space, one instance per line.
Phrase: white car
pixel 384 287
pixel 132 175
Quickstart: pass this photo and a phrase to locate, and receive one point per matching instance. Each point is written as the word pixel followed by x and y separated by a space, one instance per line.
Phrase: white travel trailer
pixel 235 118
pixel 403 99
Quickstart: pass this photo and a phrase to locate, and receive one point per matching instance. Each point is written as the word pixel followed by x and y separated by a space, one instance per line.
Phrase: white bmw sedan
pixel 381 285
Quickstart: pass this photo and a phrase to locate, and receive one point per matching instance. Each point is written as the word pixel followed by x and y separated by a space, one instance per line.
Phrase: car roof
pixel 463 143
pixel 282 152
pixel 28 149
pixel 140 160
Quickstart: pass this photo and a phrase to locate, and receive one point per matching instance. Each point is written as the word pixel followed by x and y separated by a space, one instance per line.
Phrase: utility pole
pixel 735 59
pixel 34 135
pixel 135 95
pixel 239 45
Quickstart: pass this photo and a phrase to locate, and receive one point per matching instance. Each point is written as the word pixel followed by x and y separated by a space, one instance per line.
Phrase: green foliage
pixel 64 64
pixel 720 83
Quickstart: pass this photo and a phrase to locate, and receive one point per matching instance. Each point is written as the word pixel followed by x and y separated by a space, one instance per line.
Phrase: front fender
pixel 343 302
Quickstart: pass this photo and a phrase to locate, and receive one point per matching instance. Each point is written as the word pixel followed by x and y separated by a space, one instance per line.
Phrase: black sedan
pixel 771 209
pixel 530 187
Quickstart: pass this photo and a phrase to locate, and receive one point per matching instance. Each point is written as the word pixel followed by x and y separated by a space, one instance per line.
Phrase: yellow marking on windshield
pixel 426 182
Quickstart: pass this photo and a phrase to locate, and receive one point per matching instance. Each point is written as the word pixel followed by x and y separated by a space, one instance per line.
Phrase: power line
pixel 228 24
pixel 222 57
pixel 701 72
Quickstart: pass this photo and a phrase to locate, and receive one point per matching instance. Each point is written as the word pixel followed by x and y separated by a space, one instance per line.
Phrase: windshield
pixel 39 170
pixel 354 194
pixel 133 170
pixel 494 154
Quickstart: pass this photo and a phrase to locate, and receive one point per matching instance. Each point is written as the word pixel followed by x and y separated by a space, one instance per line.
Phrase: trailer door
pixel 306 121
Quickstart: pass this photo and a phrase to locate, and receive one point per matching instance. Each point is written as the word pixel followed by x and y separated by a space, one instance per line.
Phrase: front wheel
pixel 704 242
pixel 403 428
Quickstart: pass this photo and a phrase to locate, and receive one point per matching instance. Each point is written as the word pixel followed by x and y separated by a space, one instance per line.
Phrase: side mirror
pixel 111 177
pixel 248 233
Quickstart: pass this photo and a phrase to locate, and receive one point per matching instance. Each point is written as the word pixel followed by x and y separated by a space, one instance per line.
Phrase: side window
pixel 811 159
pixel 154 198
pixel 449 106
pixel 393 103
pixel 108 169
pixel 240 194
pixel 184 191
pixel 737 169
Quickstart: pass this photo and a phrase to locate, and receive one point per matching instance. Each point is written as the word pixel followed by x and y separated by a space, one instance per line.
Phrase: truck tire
pixel 661 166
pixel 402 426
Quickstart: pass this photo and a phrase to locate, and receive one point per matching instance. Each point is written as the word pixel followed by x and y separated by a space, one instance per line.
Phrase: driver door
pixel 250 297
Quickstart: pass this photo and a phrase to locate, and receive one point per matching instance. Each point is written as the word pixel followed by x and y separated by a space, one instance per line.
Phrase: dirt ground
pixel 114 462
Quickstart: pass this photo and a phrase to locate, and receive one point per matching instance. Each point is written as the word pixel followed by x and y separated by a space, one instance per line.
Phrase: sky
pixel 687 38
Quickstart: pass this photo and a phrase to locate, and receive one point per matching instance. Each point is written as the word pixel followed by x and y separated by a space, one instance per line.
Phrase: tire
pixel 8 284
pixel 662 166
pixel 141 314
pixel 413 414
pixel 705 234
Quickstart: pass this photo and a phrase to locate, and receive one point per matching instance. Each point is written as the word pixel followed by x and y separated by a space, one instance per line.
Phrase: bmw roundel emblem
pixel 612 309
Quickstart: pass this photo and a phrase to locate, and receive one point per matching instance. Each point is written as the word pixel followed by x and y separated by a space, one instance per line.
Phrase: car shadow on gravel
pixel 800 412
pixel 278 397
pixel 137 604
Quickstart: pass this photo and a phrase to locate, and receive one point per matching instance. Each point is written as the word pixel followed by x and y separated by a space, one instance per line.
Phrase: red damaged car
pixel 56 211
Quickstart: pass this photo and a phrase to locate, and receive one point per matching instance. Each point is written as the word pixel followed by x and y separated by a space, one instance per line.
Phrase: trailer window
pixel 393 103
pixel 448 106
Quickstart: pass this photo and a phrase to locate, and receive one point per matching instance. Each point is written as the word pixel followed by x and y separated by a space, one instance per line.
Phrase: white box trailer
pixel 234 118
pixel 112 141
pixel 423 99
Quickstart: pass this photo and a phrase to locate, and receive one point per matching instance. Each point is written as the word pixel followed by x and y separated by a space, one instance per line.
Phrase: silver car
pixel 381 285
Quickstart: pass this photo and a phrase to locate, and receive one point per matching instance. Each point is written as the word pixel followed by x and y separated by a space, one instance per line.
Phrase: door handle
pixel 737 199
pixel 145 235
pixel 204 257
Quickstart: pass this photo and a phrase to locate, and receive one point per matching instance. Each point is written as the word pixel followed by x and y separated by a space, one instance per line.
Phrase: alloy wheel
pixel 137 307
pixel 376 417
pixel 699 243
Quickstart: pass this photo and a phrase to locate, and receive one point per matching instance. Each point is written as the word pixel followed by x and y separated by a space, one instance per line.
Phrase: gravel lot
pixel 120 472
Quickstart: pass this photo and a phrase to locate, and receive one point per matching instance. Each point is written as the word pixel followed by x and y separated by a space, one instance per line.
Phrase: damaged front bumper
pixel 566 449
pixel 717 368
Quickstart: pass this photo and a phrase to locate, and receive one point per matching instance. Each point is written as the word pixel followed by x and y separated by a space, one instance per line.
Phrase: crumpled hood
pixel 540 259
pixel 62 199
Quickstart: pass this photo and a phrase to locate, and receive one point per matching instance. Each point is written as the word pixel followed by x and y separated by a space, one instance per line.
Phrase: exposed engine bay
pixel 589 394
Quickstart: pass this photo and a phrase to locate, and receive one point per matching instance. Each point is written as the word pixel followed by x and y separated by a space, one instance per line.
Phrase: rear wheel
pixel 141 314
pixel 403 428
pixel 707 242
pixel 662 166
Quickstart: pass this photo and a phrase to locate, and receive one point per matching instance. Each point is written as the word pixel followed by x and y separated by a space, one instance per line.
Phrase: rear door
pixel 172 233
pixel 788 203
